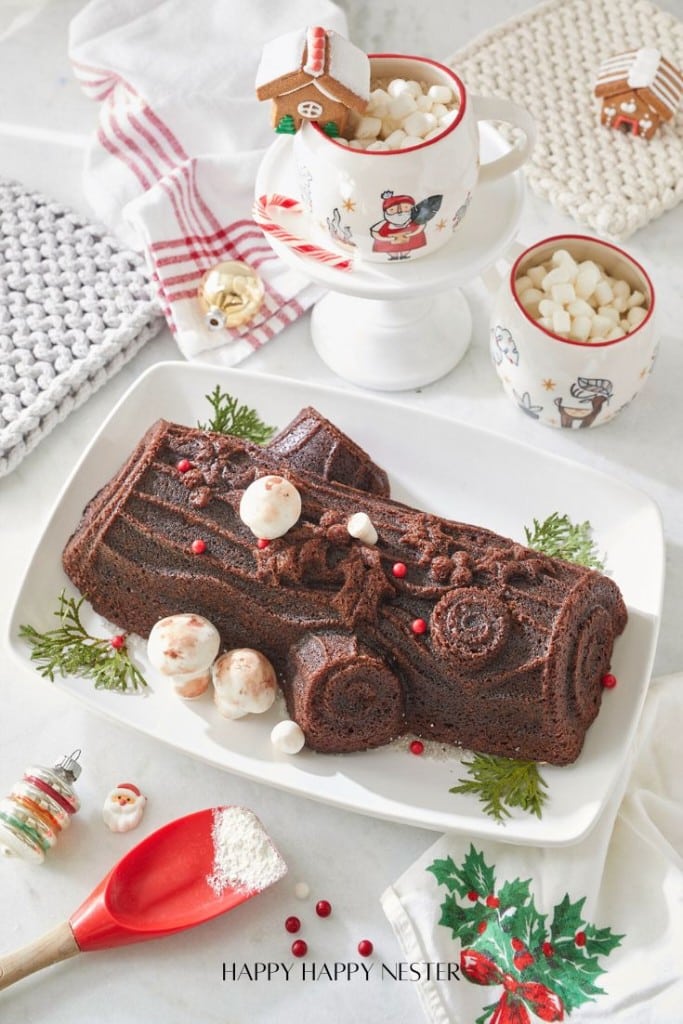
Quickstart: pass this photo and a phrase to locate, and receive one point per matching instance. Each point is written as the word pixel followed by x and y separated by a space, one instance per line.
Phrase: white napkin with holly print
pixel 584 933
pixel 171 166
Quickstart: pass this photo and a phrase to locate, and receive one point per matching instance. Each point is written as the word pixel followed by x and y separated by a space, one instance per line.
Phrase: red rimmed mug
pixel 556 380
pixel 386 205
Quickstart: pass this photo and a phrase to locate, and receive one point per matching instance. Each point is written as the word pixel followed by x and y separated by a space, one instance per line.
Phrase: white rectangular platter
pixel 434 464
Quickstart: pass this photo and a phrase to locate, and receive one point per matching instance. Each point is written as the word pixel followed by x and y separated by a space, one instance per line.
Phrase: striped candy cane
pixel 263 217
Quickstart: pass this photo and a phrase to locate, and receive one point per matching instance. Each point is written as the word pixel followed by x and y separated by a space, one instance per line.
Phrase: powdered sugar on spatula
pixel 244 856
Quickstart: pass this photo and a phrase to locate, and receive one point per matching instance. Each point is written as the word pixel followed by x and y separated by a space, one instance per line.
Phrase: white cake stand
pixel 394 326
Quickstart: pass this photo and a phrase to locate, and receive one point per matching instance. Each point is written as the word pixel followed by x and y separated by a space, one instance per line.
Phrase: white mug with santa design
pixel 386 205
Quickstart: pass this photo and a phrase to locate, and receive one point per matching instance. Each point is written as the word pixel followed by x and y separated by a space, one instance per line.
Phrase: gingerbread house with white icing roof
pixel 313 74
pixel 639 90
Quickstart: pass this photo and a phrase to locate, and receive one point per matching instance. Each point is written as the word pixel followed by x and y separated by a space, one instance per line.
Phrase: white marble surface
pixel 343 857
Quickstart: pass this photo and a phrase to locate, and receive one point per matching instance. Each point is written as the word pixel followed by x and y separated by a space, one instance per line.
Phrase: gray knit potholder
pixel 74 307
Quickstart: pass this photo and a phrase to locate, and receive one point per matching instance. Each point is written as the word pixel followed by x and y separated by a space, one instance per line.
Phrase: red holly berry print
pixel 580 938
pixel 481 927
pixel 523 960
pixel 547 949
pixel 472 896
pixel 492 901
pixel 516 944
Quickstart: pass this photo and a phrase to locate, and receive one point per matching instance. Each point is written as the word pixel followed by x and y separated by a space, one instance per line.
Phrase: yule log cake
pixel 438 628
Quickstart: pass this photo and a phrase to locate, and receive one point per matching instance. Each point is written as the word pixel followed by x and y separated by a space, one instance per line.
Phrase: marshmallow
pixel 440 94
pixel 563 293
pixel 547 307
pixel 368 127
pixel 270 506
pixel 419 123
pixel 287 737
pixel 402 105
pixel 244 683
pixel 561 321
pixel 395 139
pixel 361 527
pixel 603 293
pixel 536 274
pixel 581 328
pixel 635 316
pixel 411 140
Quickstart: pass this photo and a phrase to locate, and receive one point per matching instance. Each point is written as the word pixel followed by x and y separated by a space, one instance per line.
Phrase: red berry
pixel 262 543
pixel 418 626
pixel 492 901
pixel 183 465
pixel 580 938
pixel 365 947
pixel 472 896
pixel 517 944
pixel 481 927
pixel 399 570
pixel 198 546
pixel 117 642
pixel 323 908
pixel 547 949
pixel 417 747
pixel 299 948
pixel 522 960
pixel 292 924
pixel 609 681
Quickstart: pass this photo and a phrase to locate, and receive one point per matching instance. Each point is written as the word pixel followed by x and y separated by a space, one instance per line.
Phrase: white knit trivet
pixel 547 60
pixel 74 307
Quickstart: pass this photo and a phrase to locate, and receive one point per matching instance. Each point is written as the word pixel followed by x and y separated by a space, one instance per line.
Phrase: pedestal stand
pixel 394 326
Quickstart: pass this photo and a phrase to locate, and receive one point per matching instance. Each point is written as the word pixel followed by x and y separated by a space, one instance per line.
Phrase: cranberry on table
pixel 417 747
pixel 365 947
pixel 323 908
pixel 292 924
pixel 299 948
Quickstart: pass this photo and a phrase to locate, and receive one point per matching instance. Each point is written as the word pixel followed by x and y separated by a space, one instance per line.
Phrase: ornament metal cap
pixel 230 295
pixel 70 766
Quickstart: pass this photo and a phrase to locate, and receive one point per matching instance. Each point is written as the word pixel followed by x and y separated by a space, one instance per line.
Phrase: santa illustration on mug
pixel 401 229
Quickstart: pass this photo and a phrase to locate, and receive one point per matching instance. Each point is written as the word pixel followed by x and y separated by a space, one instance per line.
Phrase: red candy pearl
pixel 417 747
pixel 198 546
pixel 299 948
pixel 609 681
pixel 365 947
pixel 580 938
pixel 262 543
pixel 292 924
pixel 323 908
pixel 183 465
pixel 399 570
pixel 418 626
pixel 117 642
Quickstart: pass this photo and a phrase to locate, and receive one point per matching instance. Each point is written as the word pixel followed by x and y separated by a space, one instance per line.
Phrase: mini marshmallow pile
pixel 580 301
pixel 403 113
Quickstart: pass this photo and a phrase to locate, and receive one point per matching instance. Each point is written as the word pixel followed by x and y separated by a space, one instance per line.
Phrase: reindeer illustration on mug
pixel 594 392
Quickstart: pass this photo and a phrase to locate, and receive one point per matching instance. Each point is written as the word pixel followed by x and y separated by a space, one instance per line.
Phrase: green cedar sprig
pixel 229 417
pixel 502 782
pixel 558 537
pixel 70 650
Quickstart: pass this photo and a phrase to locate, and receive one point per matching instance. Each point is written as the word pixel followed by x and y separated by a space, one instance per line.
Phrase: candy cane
pixel 264 219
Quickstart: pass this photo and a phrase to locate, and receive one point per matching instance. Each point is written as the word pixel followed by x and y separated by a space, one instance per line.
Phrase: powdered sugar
pixel 244 856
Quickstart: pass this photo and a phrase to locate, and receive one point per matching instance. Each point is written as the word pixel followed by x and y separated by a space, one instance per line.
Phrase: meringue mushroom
pixel 362 528
pixel 244 683
pixel 270 506
pixel 183 647
pixel 287 737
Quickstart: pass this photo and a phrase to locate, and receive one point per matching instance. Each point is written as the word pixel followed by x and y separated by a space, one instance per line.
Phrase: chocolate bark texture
pixel 476 640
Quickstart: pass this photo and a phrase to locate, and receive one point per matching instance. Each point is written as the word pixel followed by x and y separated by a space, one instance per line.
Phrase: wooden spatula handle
pixel 59 944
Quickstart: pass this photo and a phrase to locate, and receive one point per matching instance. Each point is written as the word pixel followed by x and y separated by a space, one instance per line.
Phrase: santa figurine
pixel 123 807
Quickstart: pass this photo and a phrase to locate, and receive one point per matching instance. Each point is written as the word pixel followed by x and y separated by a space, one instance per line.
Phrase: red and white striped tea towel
pixel 171 167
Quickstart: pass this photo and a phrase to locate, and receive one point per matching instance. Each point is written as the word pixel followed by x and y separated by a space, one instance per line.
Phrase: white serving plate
pixel 484 479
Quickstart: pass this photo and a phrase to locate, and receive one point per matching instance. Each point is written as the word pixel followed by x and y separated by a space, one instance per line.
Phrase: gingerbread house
pixel 639 89
pixel 313 74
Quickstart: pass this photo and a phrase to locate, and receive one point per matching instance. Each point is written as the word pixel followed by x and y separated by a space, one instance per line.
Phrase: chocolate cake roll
pixel 441 629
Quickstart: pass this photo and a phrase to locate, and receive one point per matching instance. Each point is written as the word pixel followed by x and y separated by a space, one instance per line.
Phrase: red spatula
pixel 185 873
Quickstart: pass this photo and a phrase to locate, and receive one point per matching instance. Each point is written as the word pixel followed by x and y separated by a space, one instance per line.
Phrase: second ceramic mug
pixel 386 205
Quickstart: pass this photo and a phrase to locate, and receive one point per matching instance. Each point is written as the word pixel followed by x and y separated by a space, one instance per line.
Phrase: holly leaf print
pixel 444 872
pixel 567 919
pixel 514 894
pixel 463 922
pixel 476 875
pixel 601 941
pixel 528 925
